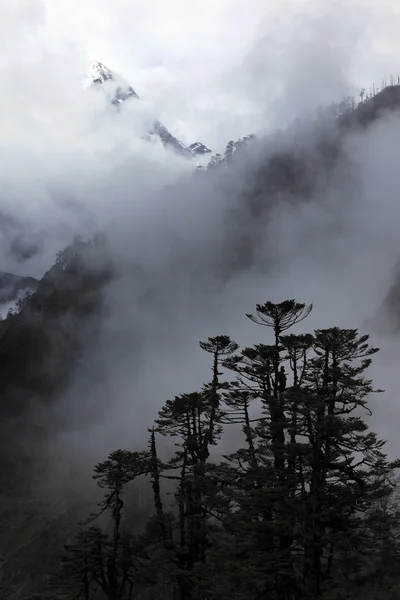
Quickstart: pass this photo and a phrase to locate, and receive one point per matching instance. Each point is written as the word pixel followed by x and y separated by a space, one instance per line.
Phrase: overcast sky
pixel 214 70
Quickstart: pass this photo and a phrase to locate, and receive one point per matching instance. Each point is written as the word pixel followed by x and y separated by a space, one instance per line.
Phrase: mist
pixel 70 164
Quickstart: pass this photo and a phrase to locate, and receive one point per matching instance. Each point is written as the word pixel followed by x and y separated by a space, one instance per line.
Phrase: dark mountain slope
pixel 298 163
pixel 12 285
pixel 39 346
pixel 40 343
pixel 372 108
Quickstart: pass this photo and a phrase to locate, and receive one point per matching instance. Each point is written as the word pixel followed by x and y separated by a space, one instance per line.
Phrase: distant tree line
pixel 335 110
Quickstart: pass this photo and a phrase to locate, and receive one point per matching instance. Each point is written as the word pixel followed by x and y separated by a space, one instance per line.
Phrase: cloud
pixel 336 249
pixel 214 71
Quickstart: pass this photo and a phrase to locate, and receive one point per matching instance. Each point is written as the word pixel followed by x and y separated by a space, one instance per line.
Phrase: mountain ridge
pixel 99 74
pixel 11 285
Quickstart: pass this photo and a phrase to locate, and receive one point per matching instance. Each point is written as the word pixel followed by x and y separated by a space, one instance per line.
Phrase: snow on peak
pixel 198 148
pixel 98 73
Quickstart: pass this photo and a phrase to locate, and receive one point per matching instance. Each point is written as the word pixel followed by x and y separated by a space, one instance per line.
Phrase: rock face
pixel 198 148
pixel 100 74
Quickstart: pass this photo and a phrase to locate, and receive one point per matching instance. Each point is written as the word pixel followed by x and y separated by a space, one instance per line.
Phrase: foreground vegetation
pixel 303 508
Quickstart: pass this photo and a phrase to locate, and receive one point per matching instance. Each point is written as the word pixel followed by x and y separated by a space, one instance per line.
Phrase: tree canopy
pixel 303 509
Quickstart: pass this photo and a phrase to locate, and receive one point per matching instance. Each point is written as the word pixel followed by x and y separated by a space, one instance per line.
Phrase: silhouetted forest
pixel 305 506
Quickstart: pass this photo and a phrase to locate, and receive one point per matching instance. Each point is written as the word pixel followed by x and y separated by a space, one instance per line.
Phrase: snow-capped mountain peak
pixel 98 74
pixel 199 148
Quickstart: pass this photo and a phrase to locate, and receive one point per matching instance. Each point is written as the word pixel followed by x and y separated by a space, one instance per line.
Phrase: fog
pixel 70 164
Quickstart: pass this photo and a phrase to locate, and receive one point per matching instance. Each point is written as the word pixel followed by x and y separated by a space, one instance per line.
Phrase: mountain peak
pixel 199 148
pixel 99 73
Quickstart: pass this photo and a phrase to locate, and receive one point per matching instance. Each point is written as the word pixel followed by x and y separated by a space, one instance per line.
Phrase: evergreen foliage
pixel 304 508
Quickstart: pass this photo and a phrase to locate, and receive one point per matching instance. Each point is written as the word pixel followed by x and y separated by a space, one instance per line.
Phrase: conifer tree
pixel 302 509
pixel 98 559
pixel 345 464
pixel 196 419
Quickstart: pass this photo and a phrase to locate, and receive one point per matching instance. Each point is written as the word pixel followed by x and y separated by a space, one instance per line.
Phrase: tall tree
pixel 346 467
pixel 98 559
pixel 300 509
